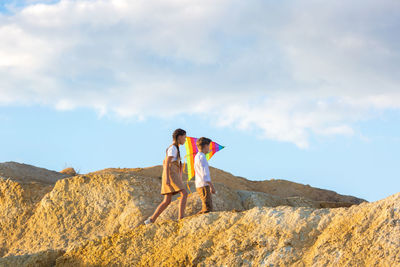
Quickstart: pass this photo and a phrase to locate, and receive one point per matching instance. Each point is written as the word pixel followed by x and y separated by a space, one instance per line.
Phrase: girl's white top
pixel 201 169
pixel 173 152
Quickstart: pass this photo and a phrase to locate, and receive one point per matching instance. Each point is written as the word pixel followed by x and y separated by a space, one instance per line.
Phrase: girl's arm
pixel 168 167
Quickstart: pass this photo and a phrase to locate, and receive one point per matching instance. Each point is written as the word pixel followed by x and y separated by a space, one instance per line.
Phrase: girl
pixel 171 182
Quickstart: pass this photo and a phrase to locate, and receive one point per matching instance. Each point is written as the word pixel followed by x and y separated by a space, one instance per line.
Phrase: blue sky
pixel 296 90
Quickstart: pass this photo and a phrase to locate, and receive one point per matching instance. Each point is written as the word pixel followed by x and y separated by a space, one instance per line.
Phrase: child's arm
pixel 206 172
pixel 211 188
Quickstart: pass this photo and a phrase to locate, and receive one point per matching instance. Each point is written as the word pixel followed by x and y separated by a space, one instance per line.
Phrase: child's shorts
pixel 205 196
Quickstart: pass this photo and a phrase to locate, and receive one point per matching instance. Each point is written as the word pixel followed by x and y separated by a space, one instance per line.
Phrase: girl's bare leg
pixel 182 204
pixel 163 205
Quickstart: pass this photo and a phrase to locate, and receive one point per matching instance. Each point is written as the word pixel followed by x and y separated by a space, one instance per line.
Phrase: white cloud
pixel 285 69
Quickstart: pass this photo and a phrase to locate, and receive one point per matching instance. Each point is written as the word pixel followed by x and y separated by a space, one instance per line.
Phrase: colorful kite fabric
pixel 191 151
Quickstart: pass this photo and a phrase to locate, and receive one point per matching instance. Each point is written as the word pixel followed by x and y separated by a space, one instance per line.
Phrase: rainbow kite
pixel 191 151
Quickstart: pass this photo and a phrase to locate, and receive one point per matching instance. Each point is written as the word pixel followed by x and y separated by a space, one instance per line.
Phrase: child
pixel 204 187
pixel 171 182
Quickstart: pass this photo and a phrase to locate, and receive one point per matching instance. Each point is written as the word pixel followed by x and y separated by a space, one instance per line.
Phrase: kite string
pixel 184 165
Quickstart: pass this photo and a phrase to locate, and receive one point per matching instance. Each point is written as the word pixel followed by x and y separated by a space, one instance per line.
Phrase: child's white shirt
pixel 201 169
pixel 173 152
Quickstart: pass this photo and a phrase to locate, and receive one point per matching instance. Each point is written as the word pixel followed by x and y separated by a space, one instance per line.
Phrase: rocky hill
pixel 49 219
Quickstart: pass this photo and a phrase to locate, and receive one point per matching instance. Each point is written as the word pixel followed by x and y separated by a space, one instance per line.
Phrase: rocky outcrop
pixel 96 219
pixel 364 235
pixel 22 187
pixel 86 207
pixel 275 187
pixel 69 171
pixel 24 173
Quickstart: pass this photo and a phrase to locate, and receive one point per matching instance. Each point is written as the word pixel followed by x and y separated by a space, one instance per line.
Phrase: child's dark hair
pixel 175 135
pixel 203 141
pixel 178 132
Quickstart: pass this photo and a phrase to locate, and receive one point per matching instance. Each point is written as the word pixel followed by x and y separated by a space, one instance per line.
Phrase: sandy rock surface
pixel 96 219
pixel 364 235
pixel 22 187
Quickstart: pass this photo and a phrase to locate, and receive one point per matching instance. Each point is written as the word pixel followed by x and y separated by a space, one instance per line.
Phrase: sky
pixel 307 91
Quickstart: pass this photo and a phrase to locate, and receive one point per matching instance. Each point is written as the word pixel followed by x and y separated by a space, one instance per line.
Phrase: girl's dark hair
pixel 178 132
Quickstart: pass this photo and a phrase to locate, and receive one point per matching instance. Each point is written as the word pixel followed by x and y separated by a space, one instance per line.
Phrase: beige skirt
pixel 175 174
